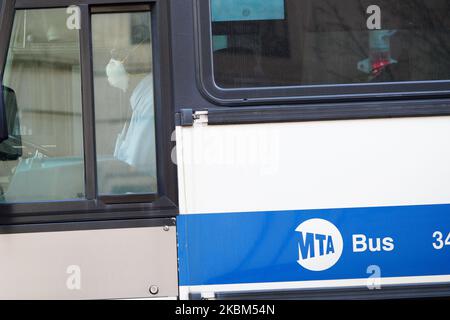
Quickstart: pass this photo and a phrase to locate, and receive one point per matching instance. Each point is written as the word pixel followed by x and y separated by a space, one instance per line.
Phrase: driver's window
pixel 43 158
pixel 124 101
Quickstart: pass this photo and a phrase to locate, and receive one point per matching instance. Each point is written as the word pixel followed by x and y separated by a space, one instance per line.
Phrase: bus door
pixel 313 148
pixel 87 188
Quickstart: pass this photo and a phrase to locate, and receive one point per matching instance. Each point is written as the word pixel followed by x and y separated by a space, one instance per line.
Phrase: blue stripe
pixel 263 247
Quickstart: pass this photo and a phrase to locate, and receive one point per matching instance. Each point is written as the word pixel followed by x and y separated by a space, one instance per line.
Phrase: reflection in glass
pixel 322 42
pixel 124 104
pixel 43 158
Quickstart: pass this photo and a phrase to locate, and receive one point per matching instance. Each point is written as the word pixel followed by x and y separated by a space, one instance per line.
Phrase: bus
pixel 222 149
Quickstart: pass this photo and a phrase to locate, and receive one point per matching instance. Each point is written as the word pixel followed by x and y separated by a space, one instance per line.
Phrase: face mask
pixel 117 75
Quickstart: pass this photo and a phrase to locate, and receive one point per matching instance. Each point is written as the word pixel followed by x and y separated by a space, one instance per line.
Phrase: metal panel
pixel 313 165
pixel 245 190
pixel 313 112
pixel 95 264
pixel 367 247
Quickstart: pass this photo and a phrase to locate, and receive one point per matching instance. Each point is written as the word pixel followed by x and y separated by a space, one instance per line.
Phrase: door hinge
pixel 188 117
pixel 200 118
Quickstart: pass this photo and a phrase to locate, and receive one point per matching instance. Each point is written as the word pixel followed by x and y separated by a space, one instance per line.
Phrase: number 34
pixel 439 242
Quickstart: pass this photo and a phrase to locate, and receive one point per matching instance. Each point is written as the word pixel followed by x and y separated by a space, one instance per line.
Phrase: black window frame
pixel 95 207
pixel 235 97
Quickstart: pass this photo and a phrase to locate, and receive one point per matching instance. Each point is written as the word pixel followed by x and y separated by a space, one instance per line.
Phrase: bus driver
pixel 135 144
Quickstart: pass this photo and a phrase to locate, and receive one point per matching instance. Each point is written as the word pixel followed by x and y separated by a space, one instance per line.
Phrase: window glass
pixel 43 157
pixel 124 103
pixel 321 42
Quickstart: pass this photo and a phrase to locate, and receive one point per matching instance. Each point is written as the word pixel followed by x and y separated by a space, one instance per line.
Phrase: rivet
pixel 154 290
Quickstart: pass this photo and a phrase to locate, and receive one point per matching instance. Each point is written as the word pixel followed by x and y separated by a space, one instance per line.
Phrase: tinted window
pixel 321 42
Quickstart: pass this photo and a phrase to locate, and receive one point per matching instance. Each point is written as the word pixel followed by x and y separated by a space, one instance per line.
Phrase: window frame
pixel 95 207
pixel 234 97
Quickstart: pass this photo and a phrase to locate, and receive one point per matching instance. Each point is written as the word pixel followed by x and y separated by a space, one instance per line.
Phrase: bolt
pixel 154 290
pixel 166 228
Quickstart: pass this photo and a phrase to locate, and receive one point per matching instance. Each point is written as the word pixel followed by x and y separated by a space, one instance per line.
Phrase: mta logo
pixel 306 245
pixel 320 244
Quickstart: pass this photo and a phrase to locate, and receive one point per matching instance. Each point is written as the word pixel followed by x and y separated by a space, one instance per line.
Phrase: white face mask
pixel 117 75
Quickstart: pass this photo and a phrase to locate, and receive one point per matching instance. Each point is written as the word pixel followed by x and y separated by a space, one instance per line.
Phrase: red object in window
pixel 379 61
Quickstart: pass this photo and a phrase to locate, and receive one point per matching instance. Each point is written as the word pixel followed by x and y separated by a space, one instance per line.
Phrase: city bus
pixel 224 149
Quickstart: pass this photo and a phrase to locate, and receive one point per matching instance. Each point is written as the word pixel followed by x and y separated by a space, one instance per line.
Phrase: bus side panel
pixel 314 204
pixel 89 264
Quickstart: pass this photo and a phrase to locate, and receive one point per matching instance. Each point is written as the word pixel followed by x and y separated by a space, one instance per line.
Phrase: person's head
pixel 117 75
pixel 117 70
